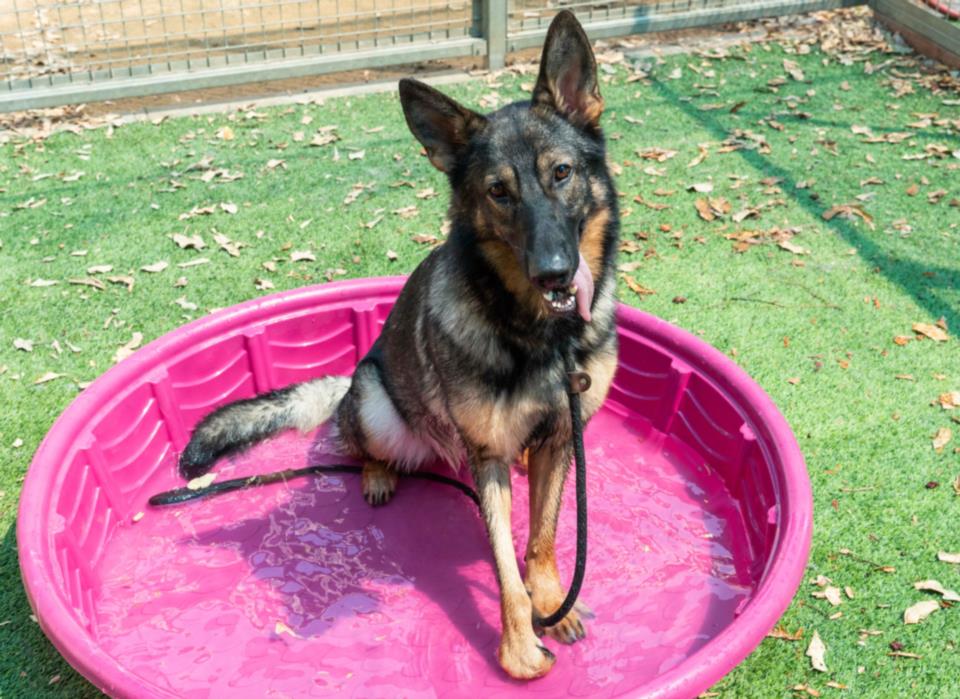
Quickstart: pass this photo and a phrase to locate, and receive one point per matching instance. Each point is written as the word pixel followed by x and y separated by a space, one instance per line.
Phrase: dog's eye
pixel 497 190
pixel 562 172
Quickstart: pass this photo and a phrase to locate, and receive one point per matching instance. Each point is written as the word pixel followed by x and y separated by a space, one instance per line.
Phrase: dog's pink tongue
pixel 583 280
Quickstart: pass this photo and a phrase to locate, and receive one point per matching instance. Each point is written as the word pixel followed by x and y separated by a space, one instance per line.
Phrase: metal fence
pixel 56 52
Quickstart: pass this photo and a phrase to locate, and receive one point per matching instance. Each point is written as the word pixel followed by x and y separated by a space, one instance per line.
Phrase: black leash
pixel 578 383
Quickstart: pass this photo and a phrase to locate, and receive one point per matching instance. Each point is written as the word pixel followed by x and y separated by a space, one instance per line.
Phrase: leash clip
pixel 579 381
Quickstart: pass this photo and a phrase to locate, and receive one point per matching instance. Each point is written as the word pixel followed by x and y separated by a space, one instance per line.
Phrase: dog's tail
pixel 234 427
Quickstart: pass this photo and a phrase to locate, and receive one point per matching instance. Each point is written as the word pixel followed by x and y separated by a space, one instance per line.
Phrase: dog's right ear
pixel 442 125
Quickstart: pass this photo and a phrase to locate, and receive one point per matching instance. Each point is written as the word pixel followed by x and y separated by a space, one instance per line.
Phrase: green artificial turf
pixel 815 328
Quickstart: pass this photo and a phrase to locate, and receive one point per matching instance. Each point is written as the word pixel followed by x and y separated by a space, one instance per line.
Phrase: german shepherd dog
pixel 470 361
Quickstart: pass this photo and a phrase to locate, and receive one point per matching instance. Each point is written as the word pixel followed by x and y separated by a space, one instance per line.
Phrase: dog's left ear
pixel 568 74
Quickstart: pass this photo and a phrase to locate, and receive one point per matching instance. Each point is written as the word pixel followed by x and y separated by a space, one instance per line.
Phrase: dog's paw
pixel 525 658
pixel 568 630
pixel 379 483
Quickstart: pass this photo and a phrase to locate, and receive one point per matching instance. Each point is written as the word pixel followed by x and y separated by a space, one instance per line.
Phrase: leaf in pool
pixel 816 652
pixel 202 482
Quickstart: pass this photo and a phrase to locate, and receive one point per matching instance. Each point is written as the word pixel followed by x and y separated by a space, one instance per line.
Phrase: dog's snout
pixel 555 272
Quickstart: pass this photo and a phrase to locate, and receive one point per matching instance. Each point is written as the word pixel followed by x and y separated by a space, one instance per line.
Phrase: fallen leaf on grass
pixel 156 267
pixel 185 305
pixel 934 332
pixel 129 348
pixel 831 594
pixel 783 634
pixel 406 211
pixel 658 154
pixel 39 283
pixel 356 154
pixel 263 284
pixel 302 256
pixel 188 241
pixel 935 586
pixel 848 211
pixel 635 286
pixel 792 247
pixel 225 134
pixel 231 247
pixel 946 557
pixel 942 438
pixel 49 376
pixel 793 69
pixel 391 255
pixel 229 207
pixel 816 652
pixel 949 400
pixel 916 613
pixel 125 279
pixel 88 281
pixel 21 344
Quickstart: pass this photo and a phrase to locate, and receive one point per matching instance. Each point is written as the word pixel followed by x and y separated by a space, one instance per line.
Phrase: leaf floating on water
pixel 202 482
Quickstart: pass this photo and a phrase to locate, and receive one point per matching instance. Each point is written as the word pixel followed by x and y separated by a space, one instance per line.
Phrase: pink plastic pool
pixel 700 520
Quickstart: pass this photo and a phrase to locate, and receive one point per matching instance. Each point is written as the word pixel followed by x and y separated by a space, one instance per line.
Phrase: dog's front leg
pixel 521 653
pixel 548 468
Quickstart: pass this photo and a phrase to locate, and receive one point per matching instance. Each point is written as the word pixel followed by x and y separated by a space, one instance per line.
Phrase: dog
pixel 469 365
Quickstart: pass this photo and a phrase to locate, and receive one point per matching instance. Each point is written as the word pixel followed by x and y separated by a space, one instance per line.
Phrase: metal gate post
pixel 495 32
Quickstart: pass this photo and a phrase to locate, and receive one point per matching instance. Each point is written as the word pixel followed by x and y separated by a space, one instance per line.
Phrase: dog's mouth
pixel 561 300
pixel 578 296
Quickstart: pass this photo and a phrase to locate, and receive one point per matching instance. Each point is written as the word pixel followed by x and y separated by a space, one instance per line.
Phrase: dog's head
pixel 530 178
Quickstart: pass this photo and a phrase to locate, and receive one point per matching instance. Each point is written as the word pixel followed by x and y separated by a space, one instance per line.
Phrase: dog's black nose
pixel 553 273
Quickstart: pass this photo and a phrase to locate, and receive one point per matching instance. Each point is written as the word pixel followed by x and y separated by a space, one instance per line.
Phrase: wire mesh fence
pixel 62 51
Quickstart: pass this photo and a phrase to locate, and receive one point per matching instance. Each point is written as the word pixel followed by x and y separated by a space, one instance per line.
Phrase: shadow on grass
pixel 927 283
pixel 29 661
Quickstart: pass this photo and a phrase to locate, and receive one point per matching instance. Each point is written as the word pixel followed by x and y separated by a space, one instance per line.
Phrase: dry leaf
pixel 49 376
pixel 155 267
pixel 21 344
pixel 226 133
pixel 791 247
pixel 42 282
pixel 934 332
pixel 99 269
pixel 88 281
pixel 816 651
pixel 202 482
pixel 703 208
pixel 406 211
pixel 391 255
pixel 185 305
pixel 302 256
pixel 126 350
pixel 949 400
pixel 783 634
pixel 701 187
pixel 125 279
pixel 356 154
pixel 231 247
pixel 945 557
pixel 229 207
pixel 916 613
pixel 263 284
pixel 942 438
pixel 935 586
pixel 185 241
pixel 635 286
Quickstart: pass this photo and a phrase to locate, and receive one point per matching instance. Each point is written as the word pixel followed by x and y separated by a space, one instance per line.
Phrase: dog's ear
pixel 438 122
pixel 568 74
